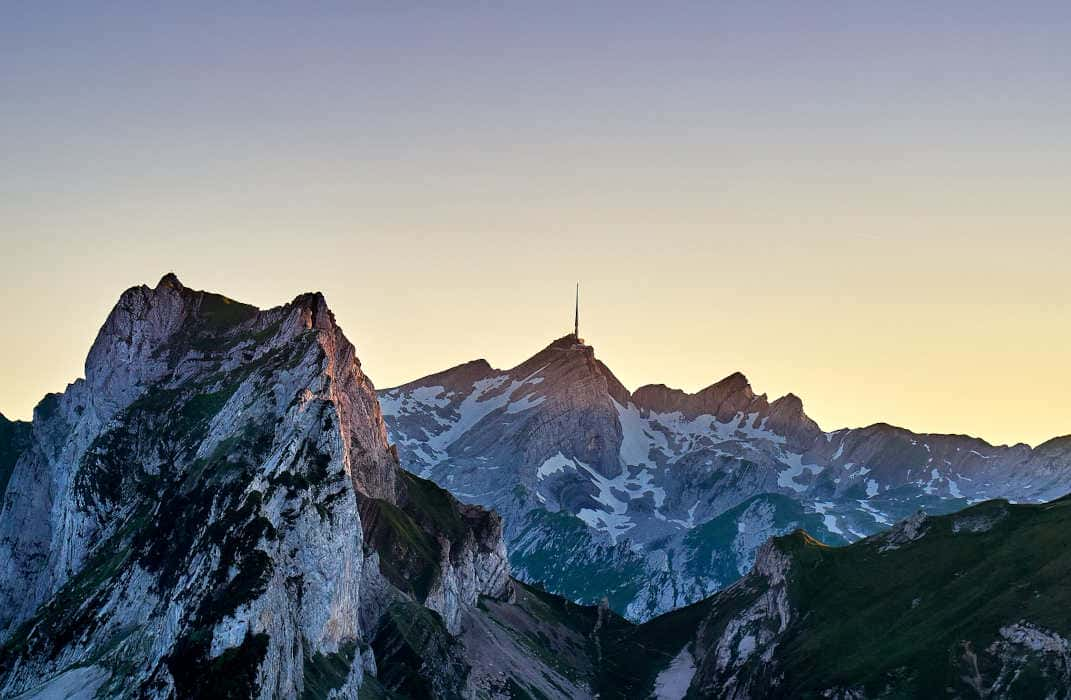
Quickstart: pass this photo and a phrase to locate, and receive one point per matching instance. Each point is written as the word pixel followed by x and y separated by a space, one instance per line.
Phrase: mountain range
pixel 217 510
pixel 657 498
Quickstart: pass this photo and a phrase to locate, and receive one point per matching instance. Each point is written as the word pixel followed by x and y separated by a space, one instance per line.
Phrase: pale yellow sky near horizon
pixel 959 339
pixel 865 204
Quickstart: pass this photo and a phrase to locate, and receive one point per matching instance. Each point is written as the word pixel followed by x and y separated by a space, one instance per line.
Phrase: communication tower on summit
pixel 576 318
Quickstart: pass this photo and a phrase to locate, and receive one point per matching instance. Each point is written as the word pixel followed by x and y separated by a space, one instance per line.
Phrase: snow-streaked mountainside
pixel 657 498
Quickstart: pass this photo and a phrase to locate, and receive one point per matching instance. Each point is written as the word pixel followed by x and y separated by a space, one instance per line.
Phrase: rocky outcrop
pixel 435 550
pixel 185 521
pixel 737 651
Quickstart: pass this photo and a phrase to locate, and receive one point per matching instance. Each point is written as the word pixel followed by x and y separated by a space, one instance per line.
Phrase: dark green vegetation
pixel 324 673
pixel 372 689
pixel 230 675
pixel 217 318
pixel 411 641
pixel 14 439
pixel 408 555
pixel 407 536
pixel 582 567
pixel 890 616
pixel 434 507
pixel 635 654
pixel 216 323
pixel 923 617
pixel 594 645
pixel 559 645
pixel 709 544
pixel 550 630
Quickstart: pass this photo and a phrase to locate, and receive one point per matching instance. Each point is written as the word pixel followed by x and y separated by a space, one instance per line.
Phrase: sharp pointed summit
pixel 170 280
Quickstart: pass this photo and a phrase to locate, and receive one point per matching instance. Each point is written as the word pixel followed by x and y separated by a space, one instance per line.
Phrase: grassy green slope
pixel 560 550
pixel 907 620
pixel 710 545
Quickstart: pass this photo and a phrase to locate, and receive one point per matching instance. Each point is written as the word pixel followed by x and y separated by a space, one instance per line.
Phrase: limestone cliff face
pixel 187 517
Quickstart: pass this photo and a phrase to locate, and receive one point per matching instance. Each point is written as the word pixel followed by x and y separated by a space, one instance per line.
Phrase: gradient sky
pixel 867 204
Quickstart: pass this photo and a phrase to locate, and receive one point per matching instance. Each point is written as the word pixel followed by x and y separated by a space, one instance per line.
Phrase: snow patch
pixel 878 516
pixel 839 452
pixel 616 521
pixel 673 682
pixel 796 467
pixel 635 438
pixel 404 404
pixel 524 403
pixel 830 520
pixel 555 464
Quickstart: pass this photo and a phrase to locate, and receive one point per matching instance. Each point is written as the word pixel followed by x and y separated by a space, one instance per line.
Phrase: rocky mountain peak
pixel 723 399
pixel 566 348
pixel 170 281
pixel 568 361
pixel 201 495
pixel 735 388
pixel 455 380
pixel 733 383
pixel 788 403
pixel 786 417
pixel 314 311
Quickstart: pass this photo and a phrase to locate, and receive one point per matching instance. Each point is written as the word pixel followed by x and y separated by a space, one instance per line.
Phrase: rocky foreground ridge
pixel 215 511
pixel 657 498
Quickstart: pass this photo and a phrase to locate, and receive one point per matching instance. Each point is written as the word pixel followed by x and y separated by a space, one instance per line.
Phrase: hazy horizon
pixel 549 336
pixel 864 205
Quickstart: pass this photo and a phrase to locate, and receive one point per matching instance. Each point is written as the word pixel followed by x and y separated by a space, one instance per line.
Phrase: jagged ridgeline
pixel 658 498
pixel 214 511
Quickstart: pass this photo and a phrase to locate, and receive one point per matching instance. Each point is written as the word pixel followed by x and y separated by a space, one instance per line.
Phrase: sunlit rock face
pixel 186 520
pixel 659 497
